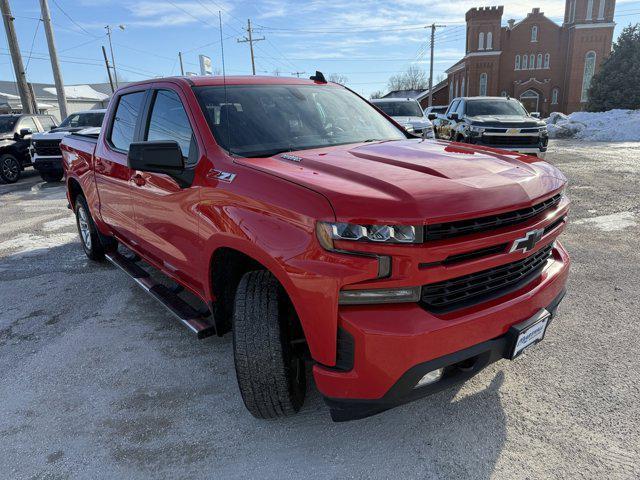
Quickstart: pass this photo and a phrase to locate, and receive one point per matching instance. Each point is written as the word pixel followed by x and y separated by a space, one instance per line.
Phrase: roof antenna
pixel 224 83
pixel 318 77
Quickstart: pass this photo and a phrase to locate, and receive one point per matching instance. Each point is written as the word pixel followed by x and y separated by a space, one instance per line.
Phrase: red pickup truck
pixel 299 217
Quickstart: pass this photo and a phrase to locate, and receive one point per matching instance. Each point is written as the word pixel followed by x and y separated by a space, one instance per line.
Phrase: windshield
pixel 495 107
pixel 83 120
pixel 400 109
pixel 263 120
pixel 7 124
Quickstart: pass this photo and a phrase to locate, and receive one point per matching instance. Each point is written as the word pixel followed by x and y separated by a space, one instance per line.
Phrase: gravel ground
pixel 99 382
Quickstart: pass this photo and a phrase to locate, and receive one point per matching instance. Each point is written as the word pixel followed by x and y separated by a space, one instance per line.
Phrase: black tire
pixel 271 378
pixel 51 177
pixel 9 168
pixel 93 242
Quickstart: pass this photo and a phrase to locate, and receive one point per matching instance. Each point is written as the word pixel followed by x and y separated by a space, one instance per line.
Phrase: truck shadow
pixel 158 402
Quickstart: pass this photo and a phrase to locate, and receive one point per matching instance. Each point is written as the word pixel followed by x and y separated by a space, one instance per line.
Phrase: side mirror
pixel 160 157
pixel 535 114
pixel 432 116
pixel 24 132
pixel 454 116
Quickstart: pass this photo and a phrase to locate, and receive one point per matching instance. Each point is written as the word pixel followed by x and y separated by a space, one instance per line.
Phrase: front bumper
pixel 394 345
pixel 47 164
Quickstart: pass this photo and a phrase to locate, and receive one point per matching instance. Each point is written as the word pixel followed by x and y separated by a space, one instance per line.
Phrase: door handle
pixel 139 180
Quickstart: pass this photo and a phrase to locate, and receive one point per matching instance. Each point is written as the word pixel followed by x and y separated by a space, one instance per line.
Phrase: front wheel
pixel 270 375
pixel 9 168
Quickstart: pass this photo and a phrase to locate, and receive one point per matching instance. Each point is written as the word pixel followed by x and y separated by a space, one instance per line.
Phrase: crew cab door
pixel 112 174
pixel 165 212
pixel 445 124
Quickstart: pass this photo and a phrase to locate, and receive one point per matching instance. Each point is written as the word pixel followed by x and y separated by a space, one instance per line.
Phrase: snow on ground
pixel 611 126
pixel 610 223
pixel 79 91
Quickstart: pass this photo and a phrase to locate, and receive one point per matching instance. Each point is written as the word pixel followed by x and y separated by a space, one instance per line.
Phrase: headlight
pixel 327 232
pixel 476 129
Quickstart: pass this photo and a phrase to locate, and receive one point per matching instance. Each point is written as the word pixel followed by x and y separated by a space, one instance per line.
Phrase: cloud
pixel 166 14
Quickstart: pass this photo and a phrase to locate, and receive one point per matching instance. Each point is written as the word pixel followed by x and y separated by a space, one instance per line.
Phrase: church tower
pixel 588 26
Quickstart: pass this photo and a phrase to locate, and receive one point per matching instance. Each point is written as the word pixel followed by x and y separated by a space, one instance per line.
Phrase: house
pixel 440 95
pixel 547 66
pixel 79 97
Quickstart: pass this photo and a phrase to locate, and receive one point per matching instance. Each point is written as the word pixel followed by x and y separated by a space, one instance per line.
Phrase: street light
pixel 113 60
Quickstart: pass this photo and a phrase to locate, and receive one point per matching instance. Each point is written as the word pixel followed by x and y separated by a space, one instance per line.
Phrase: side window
pixel 453 106
pixel 27 122
pixel 169 121
pixel 460 109
pixel 124 121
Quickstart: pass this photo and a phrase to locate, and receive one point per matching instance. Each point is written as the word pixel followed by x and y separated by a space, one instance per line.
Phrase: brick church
pixel 547 66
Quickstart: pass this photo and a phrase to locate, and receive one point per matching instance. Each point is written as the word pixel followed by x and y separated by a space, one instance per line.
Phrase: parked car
pixel 436 110
pixel 15 135
pixel 45 147
pixel 499 122
pixel 408 113
pixel 396 267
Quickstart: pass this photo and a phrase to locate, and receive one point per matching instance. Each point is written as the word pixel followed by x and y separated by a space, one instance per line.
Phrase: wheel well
pixel 227 268
pixel 74 190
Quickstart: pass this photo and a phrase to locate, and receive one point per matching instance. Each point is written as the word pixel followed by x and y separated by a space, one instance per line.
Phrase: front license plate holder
pixel 528 333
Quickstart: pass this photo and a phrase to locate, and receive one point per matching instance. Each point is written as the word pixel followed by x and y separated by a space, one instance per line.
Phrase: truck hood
pixel 54 134
pixel 414 181
pixel 420 121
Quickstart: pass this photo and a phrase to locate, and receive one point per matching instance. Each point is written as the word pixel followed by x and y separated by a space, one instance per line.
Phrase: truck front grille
pixel 520 141
pixel 440 231
pixel 47 148
pixel 481 286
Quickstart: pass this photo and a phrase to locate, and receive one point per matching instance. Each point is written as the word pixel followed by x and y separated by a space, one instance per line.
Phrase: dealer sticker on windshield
pixel 529 333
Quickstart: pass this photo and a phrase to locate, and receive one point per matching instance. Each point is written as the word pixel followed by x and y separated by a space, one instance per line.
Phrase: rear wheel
pixel 270 375
pixel 93 242
pixel 9 168
pixel 51 177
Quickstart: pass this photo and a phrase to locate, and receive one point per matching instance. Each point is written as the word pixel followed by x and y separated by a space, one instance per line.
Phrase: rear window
pixel 125 119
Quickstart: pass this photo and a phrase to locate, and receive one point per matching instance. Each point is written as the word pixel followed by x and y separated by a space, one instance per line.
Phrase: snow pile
pixel 79 91
pixel 611 126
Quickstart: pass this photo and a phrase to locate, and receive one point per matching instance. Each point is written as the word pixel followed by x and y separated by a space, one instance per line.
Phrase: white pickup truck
pixel 45 147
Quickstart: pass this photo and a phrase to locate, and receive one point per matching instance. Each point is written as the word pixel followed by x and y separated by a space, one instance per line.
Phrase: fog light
pixel 386 295
pixel 430 378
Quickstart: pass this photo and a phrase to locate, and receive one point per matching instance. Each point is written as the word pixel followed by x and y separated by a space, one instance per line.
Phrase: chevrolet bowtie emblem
pixel 528 242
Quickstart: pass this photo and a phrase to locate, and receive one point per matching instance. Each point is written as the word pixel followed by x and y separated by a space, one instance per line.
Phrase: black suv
pixel 499 122
pixel 15 136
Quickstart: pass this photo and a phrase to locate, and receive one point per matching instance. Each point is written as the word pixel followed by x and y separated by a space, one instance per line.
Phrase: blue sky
pixel 367 41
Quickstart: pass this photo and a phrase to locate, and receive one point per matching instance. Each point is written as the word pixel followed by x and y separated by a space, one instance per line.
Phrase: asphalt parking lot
pixel 98 381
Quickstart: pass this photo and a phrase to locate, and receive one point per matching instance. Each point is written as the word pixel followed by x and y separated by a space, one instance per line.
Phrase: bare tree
pixel 413 79
pixel 277 72
pixel 338 78
pixel 376 94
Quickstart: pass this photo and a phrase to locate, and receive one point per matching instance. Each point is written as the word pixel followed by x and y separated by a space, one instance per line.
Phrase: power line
pixel 33 41
pixel 72 20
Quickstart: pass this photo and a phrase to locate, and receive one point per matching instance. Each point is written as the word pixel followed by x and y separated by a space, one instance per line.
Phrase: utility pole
pixel 106 63
pixel 113 60
pixel 27 100
pixel 297 74
pixel 250 40
pixel 181 65
pixel 53 54
pixel 433 39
